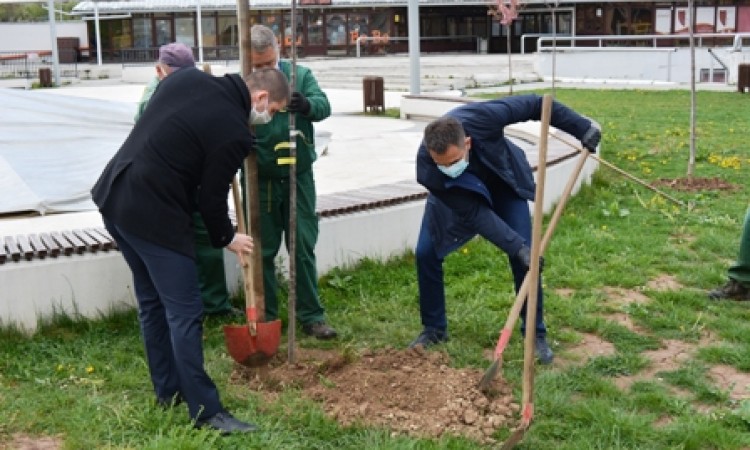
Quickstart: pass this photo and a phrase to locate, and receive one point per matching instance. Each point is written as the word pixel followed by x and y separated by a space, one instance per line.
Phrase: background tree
pixel 505 14
pixel 34 12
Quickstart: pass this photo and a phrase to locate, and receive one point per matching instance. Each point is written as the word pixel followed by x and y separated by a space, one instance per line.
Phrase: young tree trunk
pixel 691 159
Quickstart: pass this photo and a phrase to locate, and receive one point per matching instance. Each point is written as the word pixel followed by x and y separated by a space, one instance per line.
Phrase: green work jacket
pixel 269 135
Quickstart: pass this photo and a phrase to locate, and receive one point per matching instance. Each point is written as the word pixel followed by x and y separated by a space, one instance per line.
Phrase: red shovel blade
pixel 249 350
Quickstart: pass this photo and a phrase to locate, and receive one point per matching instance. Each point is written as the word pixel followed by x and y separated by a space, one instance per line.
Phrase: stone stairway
pixel 437 72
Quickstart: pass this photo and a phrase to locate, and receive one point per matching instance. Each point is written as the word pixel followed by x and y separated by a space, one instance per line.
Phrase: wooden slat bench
pixel 78 241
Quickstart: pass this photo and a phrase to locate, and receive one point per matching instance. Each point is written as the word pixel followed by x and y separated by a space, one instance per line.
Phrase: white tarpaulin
pixel 53 148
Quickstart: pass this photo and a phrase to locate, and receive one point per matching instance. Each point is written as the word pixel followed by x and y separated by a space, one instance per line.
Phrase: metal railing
pixel 653 40
pixel 149 55
pixel 25 64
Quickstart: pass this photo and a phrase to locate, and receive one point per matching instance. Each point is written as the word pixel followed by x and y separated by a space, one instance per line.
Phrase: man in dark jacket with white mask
pixel 181 157
pixel 480 183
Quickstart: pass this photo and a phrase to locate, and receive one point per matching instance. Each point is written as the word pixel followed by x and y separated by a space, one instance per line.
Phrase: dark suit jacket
pixel 180 156
pixel 458 209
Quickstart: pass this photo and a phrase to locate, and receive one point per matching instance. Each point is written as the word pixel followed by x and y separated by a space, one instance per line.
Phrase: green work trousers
pixel 211 277
pixel 274 225
pixel 740 270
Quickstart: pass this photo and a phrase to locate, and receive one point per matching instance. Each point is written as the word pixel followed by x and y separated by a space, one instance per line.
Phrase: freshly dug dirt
pixel 696 184
pixel 412 392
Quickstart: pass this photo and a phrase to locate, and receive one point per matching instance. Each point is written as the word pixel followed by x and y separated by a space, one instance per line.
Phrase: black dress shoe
pixel 226 423
pixel 320 330
pixel 543 353
pixel 732 290
pixel 429 337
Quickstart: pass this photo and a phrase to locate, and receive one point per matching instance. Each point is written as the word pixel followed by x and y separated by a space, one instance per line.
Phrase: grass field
pixel 85 383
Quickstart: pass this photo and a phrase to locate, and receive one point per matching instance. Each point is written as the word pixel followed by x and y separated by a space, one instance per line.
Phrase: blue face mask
pixel 455 169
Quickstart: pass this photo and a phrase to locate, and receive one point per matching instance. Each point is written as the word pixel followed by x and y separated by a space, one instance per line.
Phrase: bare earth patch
pixel 413 392
pixel 25 442
pixel 591 346
pixel 664 283
pixel 626 321
pixel 565 292
pixel 696 184
pixel 668 358
pixel 727 378
pixel 622 296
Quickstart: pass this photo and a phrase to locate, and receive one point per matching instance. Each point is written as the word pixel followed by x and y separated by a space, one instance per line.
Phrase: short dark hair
pixel 270 80
pixel 442 133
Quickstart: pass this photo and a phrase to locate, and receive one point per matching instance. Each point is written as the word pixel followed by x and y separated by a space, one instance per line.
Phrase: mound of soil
pixel 413 391
pixel 696 184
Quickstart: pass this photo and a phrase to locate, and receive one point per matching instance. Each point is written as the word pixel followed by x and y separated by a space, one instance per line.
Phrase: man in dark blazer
pixel 179 158
pixel 480 183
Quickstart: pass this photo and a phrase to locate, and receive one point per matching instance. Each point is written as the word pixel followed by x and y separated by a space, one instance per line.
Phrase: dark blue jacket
pixel 458 209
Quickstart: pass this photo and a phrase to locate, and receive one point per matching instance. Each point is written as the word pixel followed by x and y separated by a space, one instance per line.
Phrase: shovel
pixel 502 342
pixel 254 344
pixel 527 407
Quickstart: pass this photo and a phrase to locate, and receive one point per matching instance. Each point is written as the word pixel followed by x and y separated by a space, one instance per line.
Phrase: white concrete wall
pixel 91 284
pixel 638 64
pixel 35 36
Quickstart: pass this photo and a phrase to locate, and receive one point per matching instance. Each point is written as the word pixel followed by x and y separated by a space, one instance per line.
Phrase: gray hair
pixel 262 38
pixel 270 80
pixel 442 133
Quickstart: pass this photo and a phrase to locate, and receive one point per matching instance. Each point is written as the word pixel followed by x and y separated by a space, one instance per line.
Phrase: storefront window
pixel 617 19
pixel 642 22
pixel 228 30
pixel 208 29
pixel 254 18
pixel 142 32
pixel 315 28
pixel 163 31
pixel 564 23
pixel 185 30
pixel 336 29
pixel 288 29
pixel 272 19
pixel 381 21
pixel 116 34
pixel 359 25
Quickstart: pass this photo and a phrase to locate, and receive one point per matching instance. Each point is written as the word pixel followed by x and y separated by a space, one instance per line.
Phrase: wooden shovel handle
pixel 536 235
pixel 523 291
pixel 245 263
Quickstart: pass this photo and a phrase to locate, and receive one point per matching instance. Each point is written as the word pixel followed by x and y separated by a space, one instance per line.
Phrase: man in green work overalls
pixel 738 285
pixel 310 104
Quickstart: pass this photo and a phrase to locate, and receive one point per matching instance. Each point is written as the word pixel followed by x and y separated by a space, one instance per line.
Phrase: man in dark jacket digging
pixel 181 157
pixel 480 183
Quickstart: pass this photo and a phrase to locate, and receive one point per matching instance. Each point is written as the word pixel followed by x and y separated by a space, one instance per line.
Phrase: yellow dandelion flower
pixel 90 369
pixel 60 367
pixel 464 251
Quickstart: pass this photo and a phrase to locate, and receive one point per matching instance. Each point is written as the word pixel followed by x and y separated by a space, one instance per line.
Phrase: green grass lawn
pixel 86 382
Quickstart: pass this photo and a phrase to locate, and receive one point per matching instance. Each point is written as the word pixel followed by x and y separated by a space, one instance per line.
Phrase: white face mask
pixel 260 118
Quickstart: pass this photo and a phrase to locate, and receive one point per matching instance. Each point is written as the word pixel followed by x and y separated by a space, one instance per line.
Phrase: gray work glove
pixel 524 257
pixel 591 139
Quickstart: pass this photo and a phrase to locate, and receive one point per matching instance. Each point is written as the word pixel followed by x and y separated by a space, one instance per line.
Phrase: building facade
pixel 133 30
